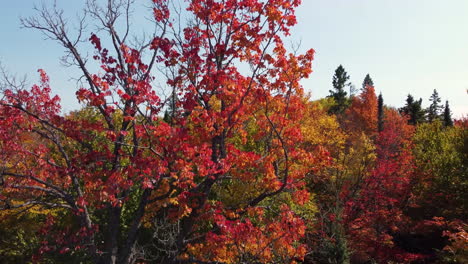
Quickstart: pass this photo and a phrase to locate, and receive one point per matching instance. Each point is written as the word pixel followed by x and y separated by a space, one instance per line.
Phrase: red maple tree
pixel 116 170
pixel 377 213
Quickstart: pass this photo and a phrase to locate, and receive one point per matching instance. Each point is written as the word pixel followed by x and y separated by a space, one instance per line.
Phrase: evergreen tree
pixel 380 114
pixel 406 110
pixel 367 81
pixel 340 80
pixel 413 109
pixel 447 115
pixel 435 109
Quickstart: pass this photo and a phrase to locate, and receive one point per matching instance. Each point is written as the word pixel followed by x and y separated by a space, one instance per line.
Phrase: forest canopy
pixel 196 143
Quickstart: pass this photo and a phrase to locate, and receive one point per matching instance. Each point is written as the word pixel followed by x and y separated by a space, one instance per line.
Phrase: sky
pixel 407 46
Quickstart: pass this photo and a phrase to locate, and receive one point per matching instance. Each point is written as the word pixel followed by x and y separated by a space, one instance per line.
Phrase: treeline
pixel 413 109
pixel 395 192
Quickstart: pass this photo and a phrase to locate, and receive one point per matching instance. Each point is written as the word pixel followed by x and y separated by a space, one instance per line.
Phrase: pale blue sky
pixel 407 46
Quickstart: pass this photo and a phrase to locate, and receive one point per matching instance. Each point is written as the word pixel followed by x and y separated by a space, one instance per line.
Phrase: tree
pixel 380 114
pixel 434 110
pixel 340 80
pixel 441 159
pixel 333 186
pixel 352 154
pixel 376 213
pixel 362 114
pixel 320 130
pixel 135 186
pixel 448 122
pixel 439 193
pixel 367 82
pixel 413 110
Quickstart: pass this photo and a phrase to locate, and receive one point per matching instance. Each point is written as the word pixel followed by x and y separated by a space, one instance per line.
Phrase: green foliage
pixel 435 109
pixel 447 115
pixel 340 80
pixel 443 161
pixel 325 103
pixel 380 113
pixel 367 82
pixel 18 237
pixel 413 110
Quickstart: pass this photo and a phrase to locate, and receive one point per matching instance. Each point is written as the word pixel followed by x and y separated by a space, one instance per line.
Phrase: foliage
pixel 435 109
pixel 376 213
pixel 363 112
pixel 447 116
pixel 198 145
pixel 116 167
pixel 413 110
pixel 441 158
pixel 340 80
pixel 367 82
pixel 380 113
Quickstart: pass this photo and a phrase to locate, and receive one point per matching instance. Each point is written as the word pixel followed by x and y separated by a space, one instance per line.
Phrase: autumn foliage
pixel 199 145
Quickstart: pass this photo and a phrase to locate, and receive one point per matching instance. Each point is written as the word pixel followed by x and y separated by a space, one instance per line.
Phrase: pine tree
pixel 447 115
pixel 340 80
pixel 367 81
pixel 380 113
pixel 435 109
pixel 413 109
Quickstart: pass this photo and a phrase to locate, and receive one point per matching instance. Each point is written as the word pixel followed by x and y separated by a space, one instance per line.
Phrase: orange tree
pixel 138 188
